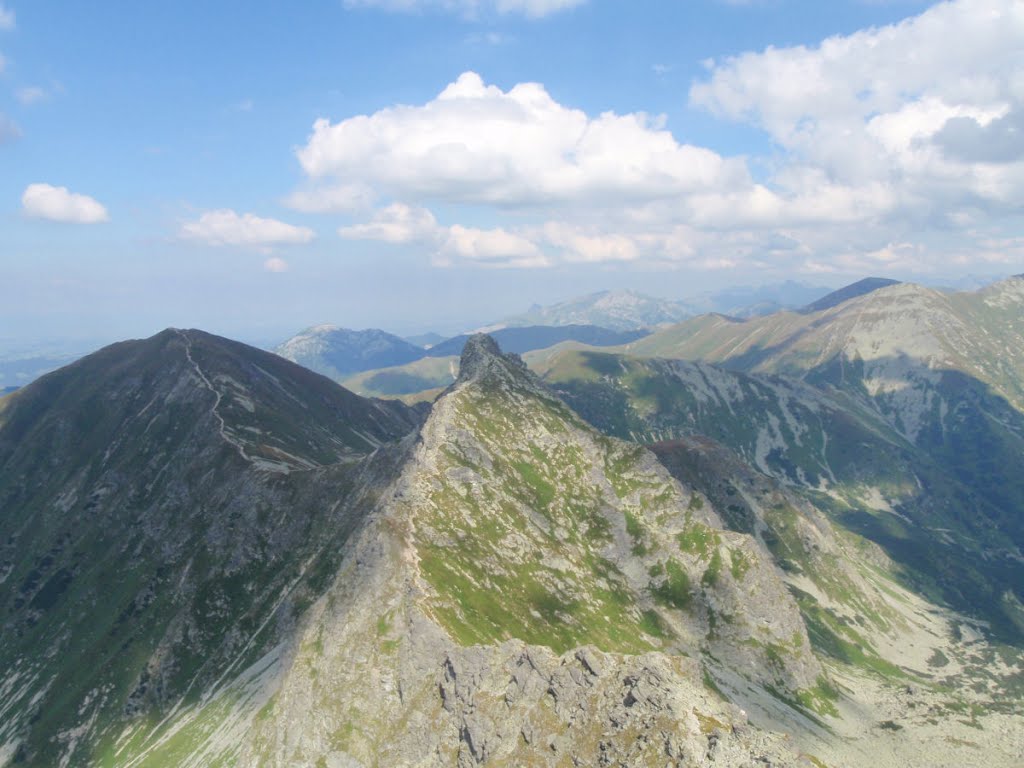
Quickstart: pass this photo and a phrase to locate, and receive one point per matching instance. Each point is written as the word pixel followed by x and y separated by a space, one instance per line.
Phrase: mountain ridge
pixel 295 574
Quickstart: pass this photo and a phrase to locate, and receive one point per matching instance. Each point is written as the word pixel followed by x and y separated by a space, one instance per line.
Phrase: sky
pixel 256 167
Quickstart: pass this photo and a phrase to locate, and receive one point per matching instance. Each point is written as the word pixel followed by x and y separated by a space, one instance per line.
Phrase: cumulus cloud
pixel 275 264
pixel 530 8
pixel 6 17
pixel 898 146
pixel 402 224
pixel 226 227
pixel 998 140
pixel 475 143
pixel 44 201
pixel 494 247
pixel 579 245
pixel 907 106
pixel 398 223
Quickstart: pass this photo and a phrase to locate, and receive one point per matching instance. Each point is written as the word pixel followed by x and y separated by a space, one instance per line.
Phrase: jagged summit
pixel 482 360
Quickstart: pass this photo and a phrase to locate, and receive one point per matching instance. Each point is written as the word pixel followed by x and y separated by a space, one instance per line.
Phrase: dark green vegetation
pixel 141 494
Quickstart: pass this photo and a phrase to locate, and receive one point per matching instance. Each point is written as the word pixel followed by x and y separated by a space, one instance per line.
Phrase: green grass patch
pixel 675 590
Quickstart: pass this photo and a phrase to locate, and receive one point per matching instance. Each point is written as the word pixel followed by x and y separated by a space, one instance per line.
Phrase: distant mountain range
pixel 631 310
pixel 621 310
pixel 339 353
pixel 791 540
pixel 608 318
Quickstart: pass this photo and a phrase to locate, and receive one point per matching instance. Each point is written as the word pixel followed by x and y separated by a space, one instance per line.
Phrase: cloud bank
pixel 897 147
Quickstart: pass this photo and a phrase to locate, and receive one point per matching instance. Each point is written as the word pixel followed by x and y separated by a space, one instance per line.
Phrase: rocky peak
pixel 483 361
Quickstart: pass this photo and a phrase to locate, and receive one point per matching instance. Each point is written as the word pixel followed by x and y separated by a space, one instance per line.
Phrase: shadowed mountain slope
pixel 852 291
pixel 157 537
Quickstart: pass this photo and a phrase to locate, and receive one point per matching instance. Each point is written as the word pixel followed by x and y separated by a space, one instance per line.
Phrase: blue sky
pixel 159 163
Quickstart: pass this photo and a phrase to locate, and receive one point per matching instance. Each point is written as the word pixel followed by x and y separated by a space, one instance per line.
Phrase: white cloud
pixel 475 143
pixel 895 147
pixel 578 245
pixel 401 224
pixel 6 17
pixel 871 107
pixel 398 223
pixel 275 264
pixel 530 8
pixel 494 247
pixel 226 227
pixel 44 201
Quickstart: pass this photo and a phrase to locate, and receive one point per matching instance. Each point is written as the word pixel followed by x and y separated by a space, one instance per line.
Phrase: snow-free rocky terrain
pixel 212 556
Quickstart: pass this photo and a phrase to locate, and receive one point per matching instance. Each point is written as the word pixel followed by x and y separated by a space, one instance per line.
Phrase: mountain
pixel 852 291
pixel 192 579
pixel 345 355
pixel 620 310
pixel 626 310
pixel 845 454
pixel 170 506
pixel 217 557
pixel 743 302
pixel 336 352
pixel 428 374
pixel 941 374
